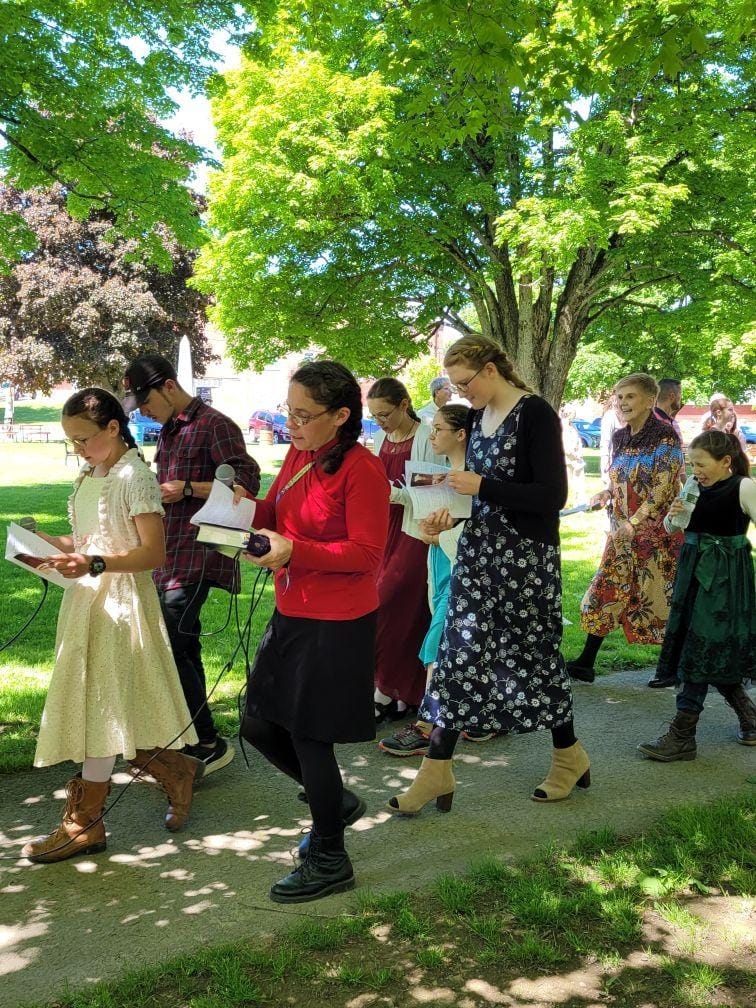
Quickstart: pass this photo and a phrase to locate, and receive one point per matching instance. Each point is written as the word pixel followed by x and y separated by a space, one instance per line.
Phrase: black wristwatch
pixel 96 566
pixel 188 492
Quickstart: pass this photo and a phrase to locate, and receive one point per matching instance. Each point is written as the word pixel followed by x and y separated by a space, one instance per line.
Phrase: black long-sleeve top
pixel 539 488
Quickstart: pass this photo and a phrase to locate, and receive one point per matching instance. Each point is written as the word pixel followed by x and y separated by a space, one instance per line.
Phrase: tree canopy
pixel 82 306
pixel 82 89
pixel 575 171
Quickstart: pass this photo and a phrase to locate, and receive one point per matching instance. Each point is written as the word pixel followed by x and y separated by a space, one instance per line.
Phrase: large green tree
pixel 82 305
pixel 82 89
pixel 565 167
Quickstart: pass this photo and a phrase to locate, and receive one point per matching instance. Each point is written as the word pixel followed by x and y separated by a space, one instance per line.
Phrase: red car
pixel 266 420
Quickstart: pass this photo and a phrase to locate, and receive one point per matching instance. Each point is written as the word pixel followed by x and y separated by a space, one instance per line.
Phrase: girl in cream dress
pixel 115 689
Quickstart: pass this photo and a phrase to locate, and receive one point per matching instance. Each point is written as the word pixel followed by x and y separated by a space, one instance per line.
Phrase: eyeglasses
pixel 300 419
pixel 437 430
pixel 463 386
pixel 383 417
pixel 82 442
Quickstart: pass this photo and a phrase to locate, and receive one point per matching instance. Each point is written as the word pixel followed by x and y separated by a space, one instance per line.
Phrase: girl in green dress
pixel 710 638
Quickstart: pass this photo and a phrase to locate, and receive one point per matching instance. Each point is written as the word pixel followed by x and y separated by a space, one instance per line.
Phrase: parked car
pixel 266 420
pixel 144 429
pixel 589 431
pixel 749 430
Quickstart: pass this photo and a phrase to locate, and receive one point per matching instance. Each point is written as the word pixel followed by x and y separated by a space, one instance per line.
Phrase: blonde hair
pixel 477 351
pixel 642 381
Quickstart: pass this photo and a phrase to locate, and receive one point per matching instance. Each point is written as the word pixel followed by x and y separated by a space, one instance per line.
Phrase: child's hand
pixel 437 521
pixel 70 565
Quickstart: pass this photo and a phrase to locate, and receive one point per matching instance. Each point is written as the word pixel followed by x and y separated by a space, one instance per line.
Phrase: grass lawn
pixel 660 921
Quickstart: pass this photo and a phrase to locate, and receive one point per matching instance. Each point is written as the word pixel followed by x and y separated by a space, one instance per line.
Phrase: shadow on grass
pixel 568 929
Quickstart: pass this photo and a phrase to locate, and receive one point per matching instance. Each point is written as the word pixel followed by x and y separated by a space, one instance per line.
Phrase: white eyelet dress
pixel 115 687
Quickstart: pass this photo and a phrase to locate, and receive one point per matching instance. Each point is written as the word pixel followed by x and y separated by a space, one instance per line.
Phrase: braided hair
pixel 477 351
pixel 333 386
pixel 100 407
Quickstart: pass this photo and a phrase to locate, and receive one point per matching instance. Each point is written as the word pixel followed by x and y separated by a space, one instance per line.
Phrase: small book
pixel 228 541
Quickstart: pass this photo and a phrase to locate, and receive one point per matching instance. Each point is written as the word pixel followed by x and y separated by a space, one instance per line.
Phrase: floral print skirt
pixel 499 664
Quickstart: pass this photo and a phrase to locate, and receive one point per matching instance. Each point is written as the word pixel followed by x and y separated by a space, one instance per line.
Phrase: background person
pixel 710 638
pixel 114 688
pixel 403 615
pixel 633 586
pixel 669 402
pixel 573 457
pixel 499 667
pixel 441 393
pixel 194 440
pixel 326 516
pixel 449 439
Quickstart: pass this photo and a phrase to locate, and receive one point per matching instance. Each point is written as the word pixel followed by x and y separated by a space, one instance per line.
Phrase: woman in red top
pixel 326 516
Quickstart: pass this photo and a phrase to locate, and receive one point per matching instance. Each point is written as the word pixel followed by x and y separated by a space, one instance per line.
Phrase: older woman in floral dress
pixel 633 586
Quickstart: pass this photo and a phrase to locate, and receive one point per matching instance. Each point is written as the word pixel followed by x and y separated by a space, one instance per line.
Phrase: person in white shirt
pixel 441 393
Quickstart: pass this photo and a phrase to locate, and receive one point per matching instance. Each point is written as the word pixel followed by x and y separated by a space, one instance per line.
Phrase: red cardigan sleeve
pixel 366 494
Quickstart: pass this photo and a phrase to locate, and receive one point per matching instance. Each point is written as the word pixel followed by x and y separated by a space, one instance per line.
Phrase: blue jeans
pixel 691 697
pixel 181 612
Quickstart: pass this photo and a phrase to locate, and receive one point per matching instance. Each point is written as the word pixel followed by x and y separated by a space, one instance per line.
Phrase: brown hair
pixel 477 351
pixel 100 407
pixel 642 381
pixel 719 443
pixel 455 415
pixel 332 385
pixel 392 390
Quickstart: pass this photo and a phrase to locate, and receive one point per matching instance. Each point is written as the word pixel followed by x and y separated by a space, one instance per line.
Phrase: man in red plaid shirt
pixel 195 439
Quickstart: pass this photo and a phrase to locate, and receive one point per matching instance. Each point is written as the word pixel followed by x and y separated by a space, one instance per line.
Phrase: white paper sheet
pixel 21 542
pixel 219 509
pixel 426 499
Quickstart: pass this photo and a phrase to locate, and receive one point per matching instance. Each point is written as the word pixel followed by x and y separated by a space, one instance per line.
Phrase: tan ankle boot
pixel 81 830
pixel 435 779
pixel 569 768
pixel 176 774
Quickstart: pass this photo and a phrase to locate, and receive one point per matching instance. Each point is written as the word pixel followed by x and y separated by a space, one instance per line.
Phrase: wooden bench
pixel 32 432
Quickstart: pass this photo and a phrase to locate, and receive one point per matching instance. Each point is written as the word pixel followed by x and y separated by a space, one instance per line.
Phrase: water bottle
pixel 688 495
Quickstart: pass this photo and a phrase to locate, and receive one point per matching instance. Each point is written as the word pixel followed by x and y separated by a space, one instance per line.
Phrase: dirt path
pixel 153 895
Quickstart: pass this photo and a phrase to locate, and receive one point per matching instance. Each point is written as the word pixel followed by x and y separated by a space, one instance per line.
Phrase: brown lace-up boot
pixel 176 774
pixel 679 743
pixel 81 830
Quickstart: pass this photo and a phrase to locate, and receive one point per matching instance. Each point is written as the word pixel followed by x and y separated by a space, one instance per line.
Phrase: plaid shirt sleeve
pixel 191 447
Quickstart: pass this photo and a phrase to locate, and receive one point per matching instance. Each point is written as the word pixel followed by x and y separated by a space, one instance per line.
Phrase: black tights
pixel 307 761
pixel 444 740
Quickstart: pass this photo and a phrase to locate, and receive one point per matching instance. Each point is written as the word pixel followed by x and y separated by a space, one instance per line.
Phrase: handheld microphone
pixel 225 474
pixel 29 523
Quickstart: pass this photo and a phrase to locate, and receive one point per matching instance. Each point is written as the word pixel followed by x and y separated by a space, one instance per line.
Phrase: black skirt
pixel 315 678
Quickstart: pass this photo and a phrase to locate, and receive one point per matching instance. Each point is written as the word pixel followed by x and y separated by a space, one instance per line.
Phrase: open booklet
pixel 29 551
pixel 221 524
pixel 428 491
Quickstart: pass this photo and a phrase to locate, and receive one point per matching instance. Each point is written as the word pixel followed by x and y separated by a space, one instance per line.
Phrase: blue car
pixel 369 428
pixel 589 431
pixel 749 430
pixel 144 429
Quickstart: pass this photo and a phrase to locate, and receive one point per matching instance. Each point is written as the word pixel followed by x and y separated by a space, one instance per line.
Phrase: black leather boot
pixel 352 809
pixel 326 870
pixel 678 744
pixel 744 707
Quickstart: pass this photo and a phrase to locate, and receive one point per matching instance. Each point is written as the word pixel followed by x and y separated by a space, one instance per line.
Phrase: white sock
pixel 98 769
pixel 381 698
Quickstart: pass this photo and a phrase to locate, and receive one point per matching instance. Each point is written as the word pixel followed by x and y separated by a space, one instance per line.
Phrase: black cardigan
pixel 539 489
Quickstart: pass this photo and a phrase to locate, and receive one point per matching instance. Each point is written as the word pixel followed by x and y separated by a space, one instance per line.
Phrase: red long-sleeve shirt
pixel 338 523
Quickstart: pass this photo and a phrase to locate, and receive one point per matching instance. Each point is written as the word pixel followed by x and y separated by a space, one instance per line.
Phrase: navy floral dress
pixel 499 666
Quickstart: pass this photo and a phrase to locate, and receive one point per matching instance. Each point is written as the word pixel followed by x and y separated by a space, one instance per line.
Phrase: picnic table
pixel 32 432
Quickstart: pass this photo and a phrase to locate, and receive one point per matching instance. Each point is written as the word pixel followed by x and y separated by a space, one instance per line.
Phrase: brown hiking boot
pixel 678 744
pixel 175 773
pixel 81 830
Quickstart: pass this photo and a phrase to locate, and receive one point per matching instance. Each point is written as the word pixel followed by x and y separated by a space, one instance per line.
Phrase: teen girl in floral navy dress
pixel 499 666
